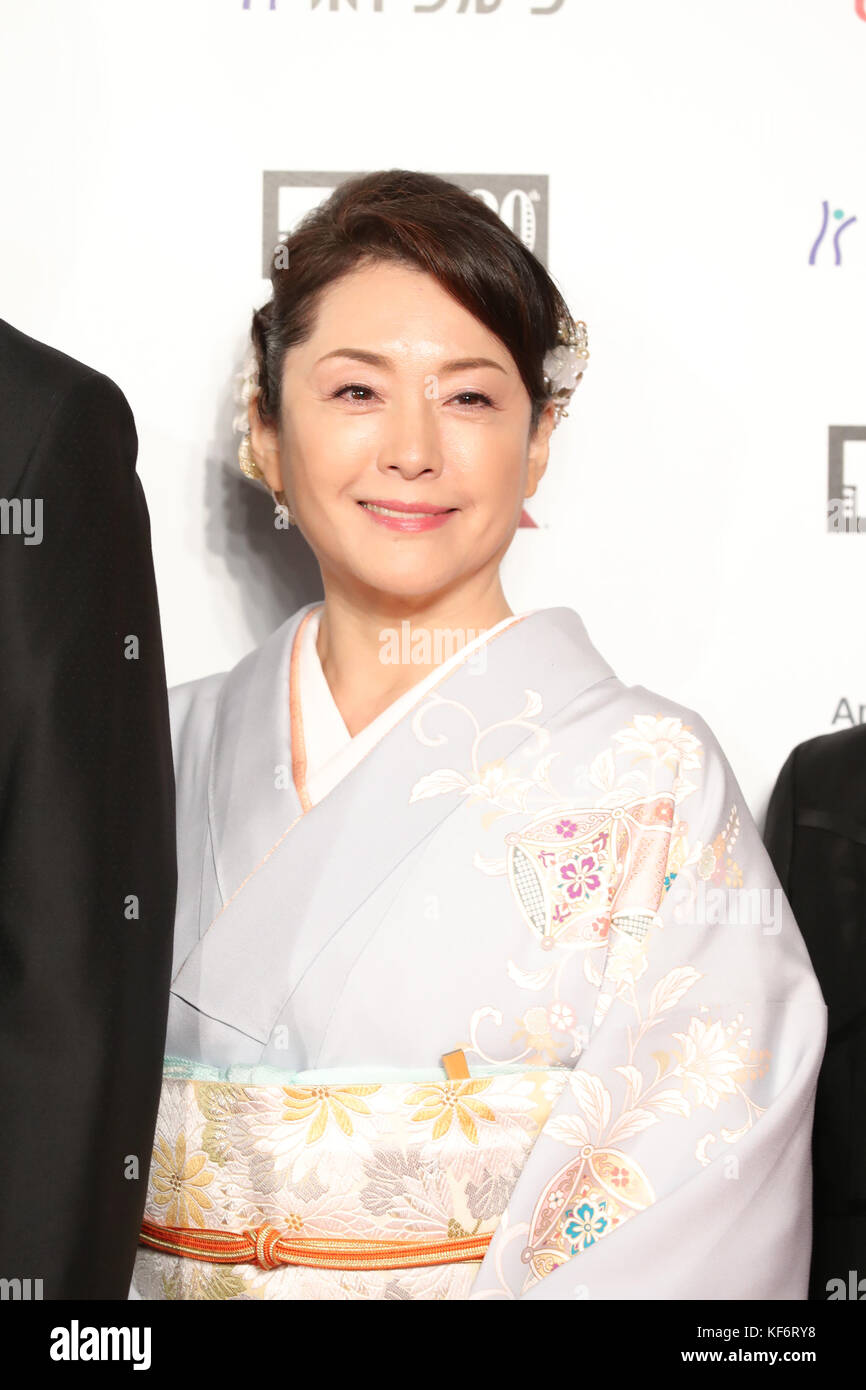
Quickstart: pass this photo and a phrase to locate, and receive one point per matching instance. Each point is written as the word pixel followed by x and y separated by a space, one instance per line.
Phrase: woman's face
pixel 388 404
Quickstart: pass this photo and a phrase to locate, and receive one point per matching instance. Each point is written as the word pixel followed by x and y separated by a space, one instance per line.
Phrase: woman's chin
pixel 413 586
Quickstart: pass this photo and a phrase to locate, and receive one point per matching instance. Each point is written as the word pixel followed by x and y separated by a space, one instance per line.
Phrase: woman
pixel 483 985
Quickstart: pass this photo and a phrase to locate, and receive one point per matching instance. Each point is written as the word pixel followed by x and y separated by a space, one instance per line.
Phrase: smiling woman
pixel 449 1018
pixel 407 385
pixel 409 477
pixel 402 411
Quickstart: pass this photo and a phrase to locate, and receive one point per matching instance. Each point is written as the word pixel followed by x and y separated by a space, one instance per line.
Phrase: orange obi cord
pixel 456 1066
pixel 267 1247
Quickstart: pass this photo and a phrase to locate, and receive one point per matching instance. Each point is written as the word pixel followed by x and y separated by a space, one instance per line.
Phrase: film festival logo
pixel 521 200
pixel 435 6
pixel 846 478
pixel 846 455
pixel 837 216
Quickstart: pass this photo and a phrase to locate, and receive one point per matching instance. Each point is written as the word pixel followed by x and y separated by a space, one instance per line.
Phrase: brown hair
pixel 422 220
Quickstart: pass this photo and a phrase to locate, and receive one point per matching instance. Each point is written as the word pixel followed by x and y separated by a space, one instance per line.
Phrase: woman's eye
pixel 353 386
pixel 474 399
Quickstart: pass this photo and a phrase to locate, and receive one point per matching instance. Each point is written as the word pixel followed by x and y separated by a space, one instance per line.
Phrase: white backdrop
pixel 687 150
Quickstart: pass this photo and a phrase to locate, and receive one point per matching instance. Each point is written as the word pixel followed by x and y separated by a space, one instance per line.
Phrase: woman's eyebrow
pixel 376 359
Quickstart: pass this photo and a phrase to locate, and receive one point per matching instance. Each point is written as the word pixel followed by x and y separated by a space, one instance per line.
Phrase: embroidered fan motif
pixel 593 1195
pixel 571 871
pixel 601 1187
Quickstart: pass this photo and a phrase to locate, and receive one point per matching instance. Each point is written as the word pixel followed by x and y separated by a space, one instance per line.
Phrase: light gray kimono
pixel 544 868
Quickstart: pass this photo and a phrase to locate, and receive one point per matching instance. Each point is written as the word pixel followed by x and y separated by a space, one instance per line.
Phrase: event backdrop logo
pixel 838 214
pixel 521 200
pixel 378 6
pixel 844 712
pixel 846 478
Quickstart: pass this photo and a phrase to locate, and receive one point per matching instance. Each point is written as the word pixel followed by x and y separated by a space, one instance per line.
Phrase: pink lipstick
pixel 406 516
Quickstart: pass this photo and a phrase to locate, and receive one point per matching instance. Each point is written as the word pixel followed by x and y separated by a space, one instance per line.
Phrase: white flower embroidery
pixel 663 739
pixel 710 1060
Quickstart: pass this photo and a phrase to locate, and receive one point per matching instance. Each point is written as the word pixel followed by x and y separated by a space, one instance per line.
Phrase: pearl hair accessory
pixel 245 383
pixel 565 364
pixel 245 386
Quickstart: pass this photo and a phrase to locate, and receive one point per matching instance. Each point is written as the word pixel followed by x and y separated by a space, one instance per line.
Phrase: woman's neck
pixel 371 656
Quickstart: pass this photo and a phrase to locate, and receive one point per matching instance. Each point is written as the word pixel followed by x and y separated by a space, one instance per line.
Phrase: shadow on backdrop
pixel 275 571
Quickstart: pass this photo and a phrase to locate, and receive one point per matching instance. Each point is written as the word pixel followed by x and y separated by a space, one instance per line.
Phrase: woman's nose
pixel 409 441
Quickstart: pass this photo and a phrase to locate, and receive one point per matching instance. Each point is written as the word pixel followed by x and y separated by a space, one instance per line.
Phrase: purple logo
pixel 838 214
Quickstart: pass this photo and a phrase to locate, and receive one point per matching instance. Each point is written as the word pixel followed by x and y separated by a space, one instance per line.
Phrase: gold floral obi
pixel 332 1187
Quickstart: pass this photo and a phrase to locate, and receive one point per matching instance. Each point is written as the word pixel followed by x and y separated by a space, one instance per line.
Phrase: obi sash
pixel 320 1185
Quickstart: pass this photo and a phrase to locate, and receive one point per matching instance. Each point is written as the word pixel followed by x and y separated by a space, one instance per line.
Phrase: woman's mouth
pixel 407 516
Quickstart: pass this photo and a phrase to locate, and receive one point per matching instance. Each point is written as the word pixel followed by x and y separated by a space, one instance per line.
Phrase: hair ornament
pixel 565 364
pixel 245 386
pixel 246 383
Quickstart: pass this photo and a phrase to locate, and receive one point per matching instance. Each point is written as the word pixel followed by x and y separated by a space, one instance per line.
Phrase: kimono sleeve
pixel 675 1162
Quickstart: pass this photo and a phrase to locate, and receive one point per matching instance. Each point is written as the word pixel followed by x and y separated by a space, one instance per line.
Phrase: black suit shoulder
pixel 35 368
pixel 44 393
pixel 821 787
pixel 829 773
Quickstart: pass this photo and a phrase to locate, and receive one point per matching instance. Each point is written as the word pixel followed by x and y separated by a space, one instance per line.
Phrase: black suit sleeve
pixel 779 827
pixel 87 856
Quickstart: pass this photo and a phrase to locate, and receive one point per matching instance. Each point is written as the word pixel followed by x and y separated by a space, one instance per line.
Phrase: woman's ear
pixel 265 446
pixel 539 449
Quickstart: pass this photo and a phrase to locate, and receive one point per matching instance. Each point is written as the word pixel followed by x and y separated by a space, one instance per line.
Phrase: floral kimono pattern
pixel 562 880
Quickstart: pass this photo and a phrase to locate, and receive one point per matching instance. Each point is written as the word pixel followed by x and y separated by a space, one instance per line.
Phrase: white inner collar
pixel 331 751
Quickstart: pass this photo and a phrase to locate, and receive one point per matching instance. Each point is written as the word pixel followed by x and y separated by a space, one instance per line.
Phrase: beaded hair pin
pixel 565 364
